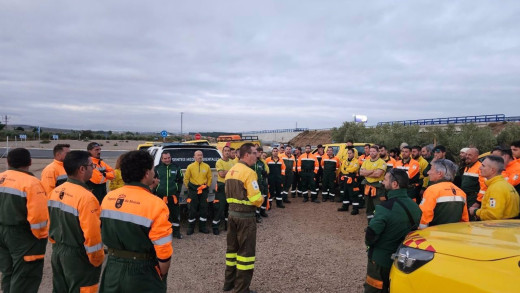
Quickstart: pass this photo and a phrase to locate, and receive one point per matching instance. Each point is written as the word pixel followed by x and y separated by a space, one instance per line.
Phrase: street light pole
pixel 181 124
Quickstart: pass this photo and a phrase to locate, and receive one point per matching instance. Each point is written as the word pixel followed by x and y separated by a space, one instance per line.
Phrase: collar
pixel 407 161
pixel 139 184
pixel 58 162
pixel 77 182
pixel 397 193
pixel 494 179
pixel 20 170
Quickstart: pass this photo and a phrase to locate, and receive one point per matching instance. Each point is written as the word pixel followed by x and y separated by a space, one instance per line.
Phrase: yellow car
pixel 471 257
pixel 340 149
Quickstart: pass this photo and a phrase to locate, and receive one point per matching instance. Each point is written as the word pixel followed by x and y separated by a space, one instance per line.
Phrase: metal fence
pixel 276 130
pixel 454 120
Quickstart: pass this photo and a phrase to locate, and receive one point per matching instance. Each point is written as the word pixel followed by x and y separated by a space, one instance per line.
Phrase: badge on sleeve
pixel 255 185
pixel 492 202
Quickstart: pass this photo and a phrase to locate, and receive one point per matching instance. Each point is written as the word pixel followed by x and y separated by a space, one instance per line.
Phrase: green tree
pixel 349 130
pixel 509 134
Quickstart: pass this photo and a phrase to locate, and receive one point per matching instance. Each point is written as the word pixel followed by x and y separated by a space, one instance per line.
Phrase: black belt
pixel 130 254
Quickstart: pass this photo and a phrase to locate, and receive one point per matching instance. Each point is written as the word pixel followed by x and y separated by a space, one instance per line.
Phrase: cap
pixel 439 148
pixel 464 150
pixel 92 145
pixel 320 146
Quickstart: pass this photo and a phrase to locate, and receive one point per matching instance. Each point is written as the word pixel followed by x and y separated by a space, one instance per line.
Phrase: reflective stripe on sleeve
pixel 94 248
pixel 39 225
pixel 450 199
pixel 237 201
pixel 60 205
pixel 470 174
pixel 164 240
pixel 126 217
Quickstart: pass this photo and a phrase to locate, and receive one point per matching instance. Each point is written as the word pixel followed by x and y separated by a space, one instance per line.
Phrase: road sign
pixel 197 136
pixel 55 137
pixel 164 133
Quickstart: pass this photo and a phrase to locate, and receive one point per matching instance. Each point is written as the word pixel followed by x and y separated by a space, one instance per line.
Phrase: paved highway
pixel 47 153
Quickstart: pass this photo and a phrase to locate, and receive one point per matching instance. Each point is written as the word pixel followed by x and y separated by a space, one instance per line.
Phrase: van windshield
pixel 183 157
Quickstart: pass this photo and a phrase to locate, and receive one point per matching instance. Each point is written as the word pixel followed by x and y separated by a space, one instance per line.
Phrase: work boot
pixel 293 195
pixel 177 233
pixel 343 208
pixel 191 228
pixel 286 201
pixel 263 213
pixel 355 211
pixel 315 201
pixel 258 219
pixel 216 231
pixel 203 228
pixel 305 200
pixel 332 199
pixel 324 200
pixel 279 204
pixel 228 287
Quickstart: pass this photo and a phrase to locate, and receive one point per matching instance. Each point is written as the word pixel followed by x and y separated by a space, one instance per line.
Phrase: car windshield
pixel 183 157
pixel 335 149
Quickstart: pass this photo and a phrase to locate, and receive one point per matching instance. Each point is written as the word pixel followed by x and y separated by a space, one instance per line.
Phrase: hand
pixel 472 210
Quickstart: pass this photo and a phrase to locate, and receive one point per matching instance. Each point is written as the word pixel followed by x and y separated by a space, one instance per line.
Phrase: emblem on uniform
pixel 62 193
pixel 120 200
pixel 492 202
pixel 2 180
pixel 255 184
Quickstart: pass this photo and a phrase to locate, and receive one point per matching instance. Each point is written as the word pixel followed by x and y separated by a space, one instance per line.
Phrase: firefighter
pixel 373 169
pixel 275 165
pixel 512 167
pixel 244 196
pixel 472 183
pixel 288 173
pixel 223 165
pixel 349 187
pixel 169 188
pixel 308 168
pixel 412 168
pixel 102 173
pixel 262 171
pixel 136 230
pixel 197 180
pixel 318 178
pixel 23 225
pixel 296 180
pixel 54 174
pixel 383 154
pixel 330 166
pixel 75 229
pixel 443 202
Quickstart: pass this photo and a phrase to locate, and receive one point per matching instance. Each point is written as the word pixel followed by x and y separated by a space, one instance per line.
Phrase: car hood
pixel 488 240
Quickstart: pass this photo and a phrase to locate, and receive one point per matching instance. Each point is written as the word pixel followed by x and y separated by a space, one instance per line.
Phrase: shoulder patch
pixel 492 202
pixel 255 184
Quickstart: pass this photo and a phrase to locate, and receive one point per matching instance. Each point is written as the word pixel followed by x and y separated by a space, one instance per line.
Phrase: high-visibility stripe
pixel 374 283
pixel 370 216
pixel 231 263
pixel 330 160
pixel 422 226
pixel 39 225
pixel 346 202
pixel 238 201
pixel 307 159
pixel 313 192
pixel 262 207
pixel 203 219
pixel 482 191
pixel 255 197
pixel 279 198
pixel 89 289
pixel 342 191
pixel 245 267
pixel 231 255
pixel 176 225
pixel 324 193
pixel 215 222
pixel 450 198
pixel 164 240
pixel 245 258
pixel 62 177
pixel 94 248
pixel 355 204
pixel 60 205
pixel 126 217
pixel 13 191
pixel 192 220
pixel 470 174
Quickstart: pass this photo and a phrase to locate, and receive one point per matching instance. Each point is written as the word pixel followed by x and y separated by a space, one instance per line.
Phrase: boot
pixel 258 218
pixel 177 233
pixel 355 211
pixel 343 208
pixel 324 199
pixel 279 204
pixel 315 201
pixel 305 199
pixel 203 228
pixel 216 231
pixel 286 201
pixel 263 213
pixel 331 199
pixel 191 228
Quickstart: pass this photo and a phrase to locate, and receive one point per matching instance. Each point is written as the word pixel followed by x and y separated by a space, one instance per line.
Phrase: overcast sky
pixel 253 65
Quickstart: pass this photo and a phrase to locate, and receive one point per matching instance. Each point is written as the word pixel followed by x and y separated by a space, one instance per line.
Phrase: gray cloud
pixel 236 65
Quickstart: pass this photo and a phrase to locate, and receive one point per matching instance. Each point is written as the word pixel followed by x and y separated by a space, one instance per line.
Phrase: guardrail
pixel 454 120
pixel 276 130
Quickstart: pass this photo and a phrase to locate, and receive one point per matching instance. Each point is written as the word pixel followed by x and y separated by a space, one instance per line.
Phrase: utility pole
pixel 6 119
pixel 181 124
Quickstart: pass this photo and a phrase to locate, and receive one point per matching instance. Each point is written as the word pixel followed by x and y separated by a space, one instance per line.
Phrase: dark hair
pixel 134 165
pixel 406 147
pixel 503 151
pixel 59 147
pixel 288 146
pixel 260 149
pixel 74 160
pixel 498 161
pixel 382 146
pixel 308 145
pixel 226 146
pixel 92 145
pixel 367 144
pixel 399 176
pixel 299 148
pixel 275 148
pixel 19 157
pixel 350 140
pixel 516 143
pixel 416 147
pixel 375 147
pixel 246 148
pixel 118 162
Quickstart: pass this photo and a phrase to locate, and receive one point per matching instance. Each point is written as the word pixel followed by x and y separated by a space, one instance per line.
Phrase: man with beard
pixel 412 168
pixel 102 172
pixel 308 168
pixel 373 170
